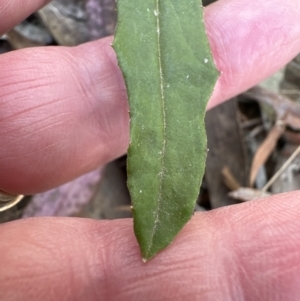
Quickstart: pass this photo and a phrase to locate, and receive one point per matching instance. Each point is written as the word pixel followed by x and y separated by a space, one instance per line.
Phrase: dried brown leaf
pixel 229 180
pixel 265 150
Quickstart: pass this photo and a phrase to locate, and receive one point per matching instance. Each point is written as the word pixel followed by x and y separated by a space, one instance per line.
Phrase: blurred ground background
pixel 250 137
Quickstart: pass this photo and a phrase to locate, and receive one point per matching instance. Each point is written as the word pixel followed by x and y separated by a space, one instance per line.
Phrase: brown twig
pixel 282 169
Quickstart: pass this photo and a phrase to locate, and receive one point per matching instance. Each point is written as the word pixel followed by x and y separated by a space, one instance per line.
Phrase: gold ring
pixel 9 200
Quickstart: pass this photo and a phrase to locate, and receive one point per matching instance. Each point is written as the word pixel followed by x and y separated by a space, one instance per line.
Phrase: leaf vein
pixel 161 174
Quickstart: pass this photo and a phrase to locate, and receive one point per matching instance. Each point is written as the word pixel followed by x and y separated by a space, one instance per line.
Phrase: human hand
pixel 64 112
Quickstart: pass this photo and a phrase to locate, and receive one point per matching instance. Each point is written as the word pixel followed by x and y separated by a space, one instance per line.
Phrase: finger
pixel 13 12
pixel 63 115
pixel 64 111
pixel 250 41
pixel 244 252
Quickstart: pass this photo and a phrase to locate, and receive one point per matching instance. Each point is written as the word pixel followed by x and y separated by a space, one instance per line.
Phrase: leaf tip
pixel 148 257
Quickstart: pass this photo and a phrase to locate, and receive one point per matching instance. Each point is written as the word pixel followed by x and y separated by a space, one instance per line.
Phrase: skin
pixel 64 112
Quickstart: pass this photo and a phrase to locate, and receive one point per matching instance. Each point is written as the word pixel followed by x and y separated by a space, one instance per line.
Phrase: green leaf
pixel 169 72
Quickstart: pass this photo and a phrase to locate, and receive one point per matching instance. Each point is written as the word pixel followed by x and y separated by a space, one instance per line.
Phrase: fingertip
pixel 262 39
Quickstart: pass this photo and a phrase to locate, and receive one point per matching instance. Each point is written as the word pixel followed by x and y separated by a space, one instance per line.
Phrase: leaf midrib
pixel 162 92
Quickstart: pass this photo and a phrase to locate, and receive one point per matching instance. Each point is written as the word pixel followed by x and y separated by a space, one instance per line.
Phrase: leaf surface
pixel 169 72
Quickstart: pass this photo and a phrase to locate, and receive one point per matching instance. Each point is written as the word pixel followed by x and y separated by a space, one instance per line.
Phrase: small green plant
pixel 164 54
